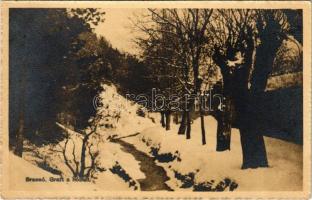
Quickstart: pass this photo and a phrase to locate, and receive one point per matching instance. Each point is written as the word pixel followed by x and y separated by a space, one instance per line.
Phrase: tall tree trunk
pixel 162 119
pixel 168 119
pixel 188 118
pixel 202 122
pixel 253 146
pixel 83 156
pixel 182 127
pixel 176 118
pixel 219 117
pixel 263 66
pixel 188 125
pixel 271 39
pixel 224 119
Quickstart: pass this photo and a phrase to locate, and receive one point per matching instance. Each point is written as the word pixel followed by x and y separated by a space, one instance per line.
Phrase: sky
pixel 117 28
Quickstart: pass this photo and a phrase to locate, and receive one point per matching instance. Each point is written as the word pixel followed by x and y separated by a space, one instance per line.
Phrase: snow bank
pixel 285 159
pixel 127 122
pixel 109 155
pixel 20 169
pixel 120 119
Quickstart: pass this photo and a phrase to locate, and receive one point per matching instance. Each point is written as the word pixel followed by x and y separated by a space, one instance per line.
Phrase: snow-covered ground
pixel 285 159
pixel 110 155
pixel 20 169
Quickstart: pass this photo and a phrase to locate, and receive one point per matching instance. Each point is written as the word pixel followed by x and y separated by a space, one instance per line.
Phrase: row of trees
pixel 58 66
pixel 187 47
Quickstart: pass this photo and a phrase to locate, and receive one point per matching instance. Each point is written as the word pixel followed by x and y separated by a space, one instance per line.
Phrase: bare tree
pixel 88 151
pixel 272 27
pixel 233 51
pixel 188 30
pixel 243 44
pixel 245 48
pixel 161 56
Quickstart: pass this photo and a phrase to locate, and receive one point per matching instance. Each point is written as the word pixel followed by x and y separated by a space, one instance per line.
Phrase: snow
pixel 110 154
pixel 128 122
pixel 284 173
pixel 19 169
pixel 233 63
pixel 285 159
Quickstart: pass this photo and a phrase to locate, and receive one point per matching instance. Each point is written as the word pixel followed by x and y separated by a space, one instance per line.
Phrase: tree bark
pixel 202 122
pixel 176 118
pixel 188 125
pixel 224 119
pixel 271 38
pixel 253 147
pixel 188 118
pixel 263 65
pixel 182 127
pixel 83 156
pixel 162 119
pixel 168 119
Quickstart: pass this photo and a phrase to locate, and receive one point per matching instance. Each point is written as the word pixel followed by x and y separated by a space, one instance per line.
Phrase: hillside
pixel 188 165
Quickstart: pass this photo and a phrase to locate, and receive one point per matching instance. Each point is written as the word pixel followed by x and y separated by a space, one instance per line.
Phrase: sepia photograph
pixel 156 100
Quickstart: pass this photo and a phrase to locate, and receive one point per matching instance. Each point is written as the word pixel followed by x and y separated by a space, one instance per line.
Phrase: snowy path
pixel 155 175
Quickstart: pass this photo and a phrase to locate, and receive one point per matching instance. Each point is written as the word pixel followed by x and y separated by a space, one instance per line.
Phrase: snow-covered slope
pixel 110 154
pixel 128 121
pixel 20 169
pixel 285 159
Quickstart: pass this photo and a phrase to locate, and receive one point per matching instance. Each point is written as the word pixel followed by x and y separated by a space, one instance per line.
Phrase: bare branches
pixel 178 41
pixel 79 169
pixel 94 163
pixel 184 85
pixel 74 157
pixel 66 159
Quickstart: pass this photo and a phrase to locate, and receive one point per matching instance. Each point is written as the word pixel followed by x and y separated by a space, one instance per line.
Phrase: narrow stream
pixel 155 175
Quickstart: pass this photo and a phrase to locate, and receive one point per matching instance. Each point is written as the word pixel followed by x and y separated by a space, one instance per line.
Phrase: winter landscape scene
pixel 202 100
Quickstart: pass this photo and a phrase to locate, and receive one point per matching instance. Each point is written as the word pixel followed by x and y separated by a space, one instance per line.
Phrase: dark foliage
pixel 117 169
pixel 57 67
pixel 39 40
pixel 164 157
pixel 220 187
pixel 161 157
pixel 188 181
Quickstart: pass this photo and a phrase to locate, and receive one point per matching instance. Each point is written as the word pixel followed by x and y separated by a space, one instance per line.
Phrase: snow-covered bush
pixel 80 151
